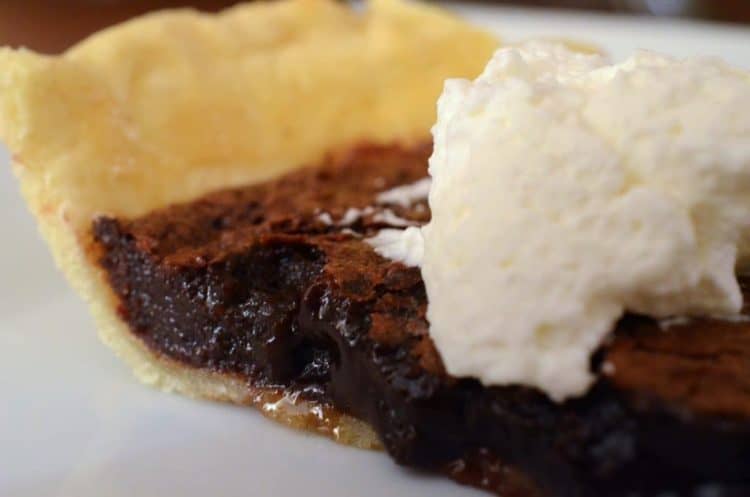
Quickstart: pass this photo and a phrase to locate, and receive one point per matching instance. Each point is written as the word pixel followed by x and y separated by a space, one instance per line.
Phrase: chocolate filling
pixel 267 283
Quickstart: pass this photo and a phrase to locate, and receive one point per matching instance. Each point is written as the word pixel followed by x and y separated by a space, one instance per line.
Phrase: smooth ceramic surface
pixel 75 423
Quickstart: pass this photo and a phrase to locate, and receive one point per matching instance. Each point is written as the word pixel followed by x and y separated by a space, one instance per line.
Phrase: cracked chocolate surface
pixel 256 282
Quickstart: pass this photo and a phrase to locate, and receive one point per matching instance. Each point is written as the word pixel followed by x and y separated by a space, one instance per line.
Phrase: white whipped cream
pixel 405 246
pixel 566 191
pixel 387 216
pixel 325 218
pixel 352 215
pixel 406 195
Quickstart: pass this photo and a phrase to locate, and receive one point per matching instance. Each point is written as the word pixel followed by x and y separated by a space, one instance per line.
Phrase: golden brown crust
pixel 175 104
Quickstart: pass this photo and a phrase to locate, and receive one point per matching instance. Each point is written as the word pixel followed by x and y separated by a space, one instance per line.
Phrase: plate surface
pixel 75 423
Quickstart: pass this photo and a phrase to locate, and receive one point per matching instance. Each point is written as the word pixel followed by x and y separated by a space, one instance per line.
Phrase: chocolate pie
pixel 164 162
pixel 273 284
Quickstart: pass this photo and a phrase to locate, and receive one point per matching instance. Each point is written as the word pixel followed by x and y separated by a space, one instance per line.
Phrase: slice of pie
pixel 277 285
pixel 158 160
pixel 177 104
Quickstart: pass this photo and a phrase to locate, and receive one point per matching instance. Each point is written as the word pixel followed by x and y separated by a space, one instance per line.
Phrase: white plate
pixel 74 422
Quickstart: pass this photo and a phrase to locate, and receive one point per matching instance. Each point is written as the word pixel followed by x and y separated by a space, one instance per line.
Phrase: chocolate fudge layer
pixel 275 283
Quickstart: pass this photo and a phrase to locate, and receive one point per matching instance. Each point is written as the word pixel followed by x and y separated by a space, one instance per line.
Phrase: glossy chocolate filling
pixel 275 284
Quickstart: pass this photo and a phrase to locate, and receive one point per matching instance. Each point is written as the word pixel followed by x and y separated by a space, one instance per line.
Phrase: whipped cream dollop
pixel 566 191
